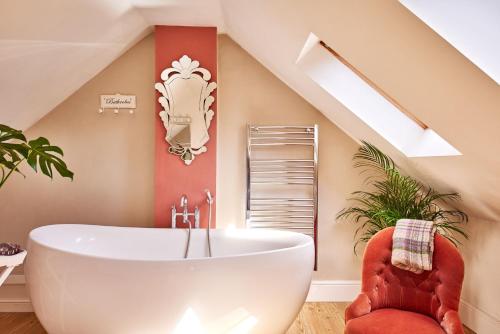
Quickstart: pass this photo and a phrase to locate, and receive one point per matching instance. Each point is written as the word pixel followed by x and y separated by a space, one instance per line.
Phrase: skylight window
pixel 472 27
pixel 369 102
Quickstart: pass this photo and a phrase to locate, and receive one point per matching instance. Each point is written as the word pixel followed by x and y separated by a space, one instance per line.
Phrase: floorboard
pixel 319 318
pixel 315 318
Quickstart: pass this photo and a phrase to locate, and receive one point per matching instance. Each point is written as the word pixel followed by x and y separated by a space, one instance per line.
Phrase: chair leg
pixel 5 273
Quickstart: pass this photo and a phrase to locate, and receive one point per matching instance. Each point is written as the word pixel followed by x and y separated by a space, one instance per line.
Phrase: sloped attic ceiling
pixel 460 22
pixel 49 49
pixel 406 58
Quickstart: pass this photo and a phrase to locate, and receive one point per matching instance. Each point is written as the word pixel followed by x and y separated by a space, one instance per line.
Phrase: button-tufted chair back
pixel 432 293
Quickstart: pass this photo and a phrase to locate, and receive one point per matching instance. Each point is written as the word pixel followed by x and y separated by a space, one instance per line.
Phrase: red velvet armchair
pixel 395 301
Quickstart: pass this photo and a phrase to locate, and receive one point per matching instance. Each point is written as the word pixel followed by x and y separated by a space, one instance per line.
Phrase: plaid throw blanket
pixel 413 245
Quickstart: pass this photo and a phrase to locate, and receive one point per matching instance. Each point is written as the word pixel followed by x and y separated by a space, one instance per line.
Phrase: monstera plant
pixel 15 149
pixel 392 196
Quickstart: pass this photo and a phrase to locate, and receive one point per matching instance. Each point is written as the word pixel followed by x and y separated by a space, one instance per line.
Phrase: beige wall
pixel 482 267
pixel 248 93
pixel 426 75
pixel 112 155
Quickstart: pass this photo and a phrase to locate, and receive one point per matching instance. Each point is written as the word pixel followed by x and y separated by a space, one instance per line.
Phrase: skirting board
pixel 478 320
pixel 333 291
pixel 16 305
pixel 12 301
pixel 320 291
pixel 15 280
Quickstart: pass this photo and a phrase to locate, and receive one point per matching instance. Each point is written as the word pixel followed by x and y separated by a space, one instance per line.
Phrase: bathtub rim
pixel 304 243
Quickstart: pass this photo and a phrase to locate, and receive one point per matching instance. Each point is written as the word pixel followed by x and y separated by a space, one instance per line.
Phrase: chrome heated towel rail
pixel 282 178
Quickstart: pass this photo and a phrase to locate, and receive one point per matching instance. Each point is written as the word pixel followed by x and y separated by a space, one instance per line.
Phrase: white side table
pixel 10 262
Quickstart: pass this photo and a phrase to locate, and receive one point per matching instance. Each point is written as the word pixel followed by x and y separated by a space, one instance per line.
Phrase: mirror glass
pixel 186 99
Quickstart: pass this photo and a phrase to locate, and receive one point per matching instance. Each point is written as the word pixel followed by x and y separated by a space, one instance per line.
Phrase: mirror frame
pixel 186 107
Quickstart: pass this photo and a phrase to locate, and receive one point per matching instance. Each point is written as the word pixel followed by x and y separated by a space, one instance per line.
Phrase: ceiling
pixel 59 45
pixel 50 48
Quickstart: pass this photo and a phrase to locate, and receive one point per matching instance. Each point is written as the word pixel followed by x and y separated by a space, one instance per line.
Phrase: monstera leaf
pixel 11 152
pixel 39 154
pixel 45 156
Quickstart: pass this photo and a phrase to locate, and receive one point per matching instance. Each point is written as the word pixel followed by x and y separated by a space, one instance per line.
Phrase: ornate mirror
pixel 186 100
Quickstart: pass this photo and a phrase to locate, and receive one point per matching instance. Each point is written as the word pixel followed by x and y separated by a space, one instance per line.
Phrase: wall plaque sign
pixel 118 101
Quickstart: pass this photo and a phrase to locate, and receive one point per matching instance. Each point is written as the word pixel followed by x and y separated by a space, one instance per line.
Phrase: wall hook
pixel 117 102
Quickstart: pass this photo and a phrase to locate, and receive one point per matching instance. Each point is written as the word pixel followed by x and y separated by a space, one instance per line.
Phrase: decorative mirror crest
pixel 186 102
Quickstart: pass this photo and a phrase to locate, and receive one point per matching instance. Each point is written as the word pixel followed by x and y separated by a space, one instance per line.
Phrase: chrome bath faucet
pixel 185 213
pixel 185 219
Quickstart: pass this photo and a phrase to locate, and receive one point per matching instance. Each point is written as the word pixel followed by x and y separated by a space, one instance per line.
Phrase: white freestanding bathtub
pixel 86 279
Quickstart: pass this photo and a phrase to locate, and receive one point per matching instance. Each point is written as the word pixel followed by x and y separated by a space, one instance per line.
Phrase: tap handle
pixel 196 217
pixel 174 216
pixel 210 199
pixel 184 200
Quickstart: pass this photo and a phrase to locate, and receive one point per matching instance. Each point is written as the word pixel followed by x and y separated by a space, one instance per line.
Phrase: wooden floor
pixel 315 318
pixel 20 323
pixel 320 318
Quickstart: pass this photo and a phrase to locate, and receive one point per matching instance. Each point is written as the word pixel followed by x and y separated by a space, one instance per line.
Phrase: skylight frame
pixel 372 84
pixel 369 102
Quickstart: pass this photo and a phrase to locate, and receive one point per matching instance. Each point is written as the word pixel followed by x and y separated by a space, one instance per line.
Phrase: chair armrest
pixel 360 306
pixel 451 323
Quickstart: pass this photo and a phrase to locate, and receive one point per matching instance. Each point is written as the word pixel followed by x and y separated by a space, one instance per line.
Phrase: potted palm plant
pixel 38 153
pixel 393 196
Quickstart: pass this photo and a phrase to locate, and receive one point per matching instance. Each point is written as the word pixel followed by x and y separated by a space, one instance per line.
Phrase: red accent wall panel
pixel 172 177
